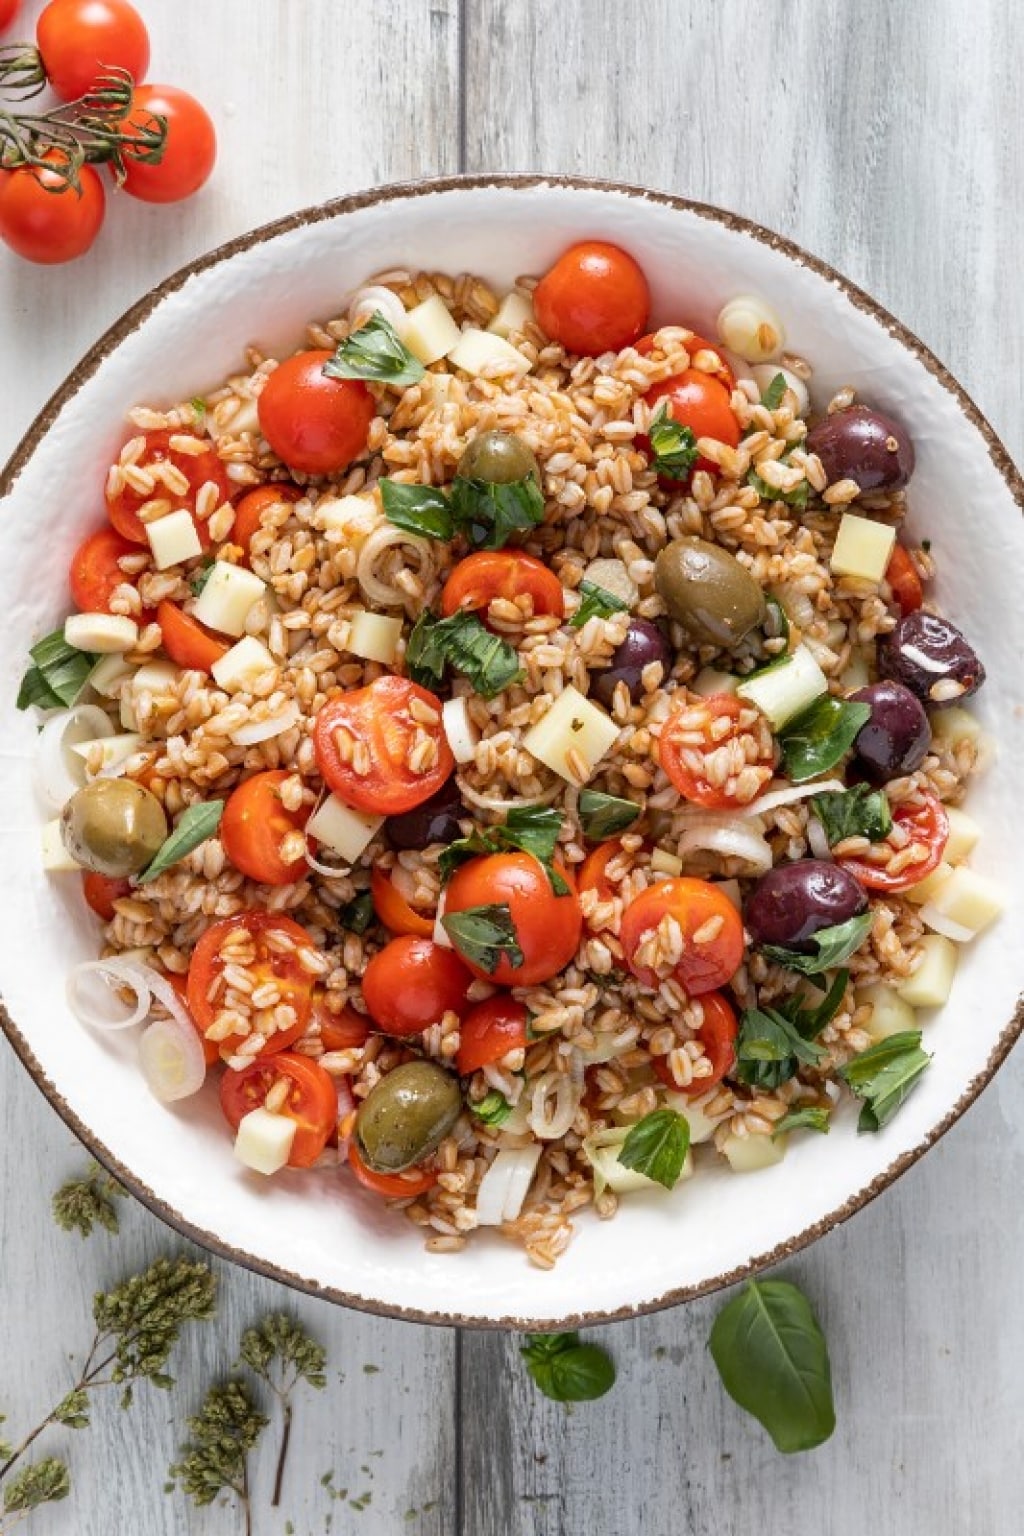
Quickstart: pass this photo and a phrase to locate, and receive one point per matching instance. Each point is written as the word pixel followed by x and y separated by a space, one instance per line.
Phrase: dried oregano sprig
pixel 223 1432
pixel 91 129
pixel 81 1204
pixel 281 1352
pixel 44 1482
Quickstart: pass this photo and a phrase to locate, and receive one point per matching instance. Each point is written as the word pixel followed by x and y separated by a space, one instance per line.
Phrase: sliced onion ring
pixel 732 836
pixel 171 1058
pixel 554 1100
pixel 505 803
pixel 59 772
pixel 506 1184
pixel 255 731
pixel 940 923
pixel 328 871
pixel 788 794
pixel 118 972
pixel 384 537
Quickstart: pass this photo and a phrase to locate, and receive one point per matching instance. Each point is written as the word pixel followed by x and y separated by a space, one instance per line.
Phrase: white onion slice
pixel 462 734
pixel 255 731
pixel 940 923
pixel 171 1058
pixel 506 1184
pixel 733 836
pixel 603 1049
pixel 817 839
pixel 553 1104
pixel 328 871
pixel 796 604
pixel 119 972
pixel 384 537
pixel 505 803
pixel 60 773
pixel 788 794
pixel 374 299
pixel 440 934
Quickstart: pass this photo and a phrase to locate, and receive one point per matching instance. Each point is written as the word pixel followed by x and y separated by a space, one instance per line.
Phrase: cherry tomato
pixel 43 219
pixel 694 905
pixel 254 825
pixel 722 371
pixel 185 640
pixel 81 40
pixel 211 1050
pixel 393 909
pixel 594 299
pixel 344 1031
pixel 722 722
pixel 8 10
pixel 393 1186
pixel 249 511
pixel 901 574
pixel 95 572
pixel 926 823
pixel 271 963
pixel 480 578
pixel 547 927
pixel 314 423
pixel 717 1034
pixel 312 1102
pixel 411 982
pixel 592 875
pixel 189 151
pixel 698 401
pixel 198 469
pixel 489 1031
pixel 101 891
pixel 376 728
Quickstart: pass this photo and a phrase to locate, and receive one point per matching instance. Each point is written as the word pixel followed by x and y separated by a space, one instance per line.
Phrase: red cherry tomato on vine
pixel 81 40
pixel 314 423
pixel 711 927
pixel 547 927
pixel 43 219
pixel 717 1034
pixel 479 579
pixel 594 299
pixel 189 151
pixel 8 10
pixel 312 1101
pixel 489 1031
pixel 411 982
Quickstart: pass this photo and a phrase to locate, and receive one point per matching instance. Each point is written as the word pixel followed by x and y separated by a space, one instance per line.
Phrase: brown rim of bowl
pixel 112 338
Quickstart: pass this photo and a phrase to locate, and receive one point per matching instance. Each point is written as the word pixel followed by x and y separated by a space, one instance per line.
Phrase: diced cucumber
pixel 748 1154
pixel 785 689
pixel 932 982
pixel 966 899
pixel 891 1014
pixel 925 889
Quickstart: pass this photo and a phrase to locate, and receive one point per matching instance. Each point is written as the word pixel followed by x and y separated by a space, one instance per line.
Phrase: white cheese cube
pixel 573 725
pixel 952 725
pixel 173 539
pixel 966 899
pixel 782 692
pixel 694 1111
pixel 925 889
pixel 375 637
pixel 353 516
pixel 243 665
pixel 891 1014
pixel 56 859
pixel 515 313
pixel 479 352
pixel 341 829
pixel 227 596
pixel 264 1141
pixel 430 331
pixel 155 677
pixel 437 389
pixel 963 835
pixel 113 749
pixel 863 548
pixel 749 1154
pixel 108 674
pixel 932 982
pixel 106 634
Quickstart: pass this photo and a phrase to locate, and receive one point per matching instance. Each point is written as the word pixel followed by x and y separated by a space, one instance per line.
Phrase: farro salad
pixel 511 750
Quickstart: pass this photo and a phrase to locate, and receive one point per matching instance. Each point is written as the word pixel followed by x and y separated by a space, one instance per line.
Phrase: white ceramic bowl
pixel 313 1231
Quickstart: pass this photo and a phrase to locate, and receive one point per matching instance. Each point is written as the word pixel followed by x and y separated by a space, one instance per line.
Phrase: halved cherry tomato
pixel 186 641
pixel 95 572
pixel 594 299
pixel 81 40
pixel 249 511
pixel 101 891
pixel 901 574
pixel 925 822
pixel 717 1034
pixel 711 927
pixel 393 1186
pixel 211 1050
pixel 721 723
pixel 480 578
pixel 698 401
pixel 189 151
pixel 722 372
pixel 254 825
pixel 411 982
pixel 314 423
pixel 271 963
pixel 393 909
pixel 376 728
pixel 591 875
pixel 197 468
pixel 489 1031
pixel 312 1102
pixel 344 1031
pixel 547 927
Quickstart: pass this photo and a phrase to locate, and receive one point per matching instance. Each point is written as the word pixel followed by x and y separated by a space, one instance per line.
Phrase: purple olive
pixel 863 445
pixel 794 901
pixel 435 821
pixel 897 737
pixel 930 656
pixel 643 644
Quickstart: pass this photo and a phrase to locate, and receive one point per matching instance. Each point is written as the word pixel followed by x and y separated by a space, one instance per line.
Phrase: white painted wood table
pixel 888 139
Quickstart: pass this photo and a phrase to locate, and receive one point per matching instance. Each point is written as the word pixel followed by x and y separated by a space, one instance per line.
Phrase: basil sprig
pixel 195 825
pixel 820 735
pixel 811 1118
pixel 530 829
pixel 484 513
pixel 657 1146
pixel 566 1370
pixel 460 641
pixel 857 812
pixel 673 446
pixel 597 602
pixel 57 675
pixel 493 1108
pixel 884 1075
pixel 484 936
pixel 772 395
pixel 375 352
pixel 773 1361
pixel 603 816
pixel 833 946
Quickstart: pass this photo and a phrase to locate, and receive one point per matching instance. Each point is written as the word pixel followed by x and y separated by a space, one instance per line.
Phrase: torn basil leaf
pixel 195 826
pixel 884 1075
pixel 529 829
pixel 375 352
pixel 771 396
pixel 657 1146
pixel 819 736
pixel 488 514
pixel 809 1119
pixel 770 1049
pixel 357 914
pixel 597 602
pixel 797 497
pixel 857 812
pixel 460 641
pixel 419 509
pixel 484 936
pixel 604 816
pixel 833 946
pixel 673 446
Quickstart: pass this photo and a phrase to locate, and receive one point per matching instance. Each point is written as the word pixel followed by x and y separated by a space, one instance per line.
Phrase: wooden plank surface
pixel 888 140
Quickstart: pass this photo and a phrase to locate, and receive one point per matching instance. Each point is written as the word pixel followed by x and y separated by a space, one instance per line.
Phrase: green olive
pixel 708 591
pixel 406 1116
pixel 499 458
pixel 113 826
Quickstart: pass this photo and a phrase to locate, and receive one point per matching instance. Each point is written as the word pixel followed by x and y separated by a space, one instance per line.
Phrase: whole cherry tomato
pixel 698 401
pixel 411 982
pixel 594 299
pixel 315 424
pixel 545 928
pixel 189 151
pixel 82 40
pixel 43 219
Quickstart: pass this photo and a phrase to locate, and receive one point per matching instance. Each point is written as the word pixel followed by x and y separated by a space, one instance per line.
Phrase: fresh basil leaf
pixel 530 829
pixel 857 812
pixel 673 446
pixel 195 825
pixel 198 579
pixel 57 676
pixel 815 1119
pixel 566 1370
pixel 820 735
pixel 603 816
pixel 834 945
pixel 357 915
pixel 460 641
pixel 375 352
pixel 484 936
pixel 809 1022
pixel 489 514
pixel 493 1108
pixel 597 602
pixel 884 1075
pixel 770 1049
pixel 773 1361
pixel 772 395
pixel 657 1146
pixel 198 404
pixel 797 497
pixel 420 509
